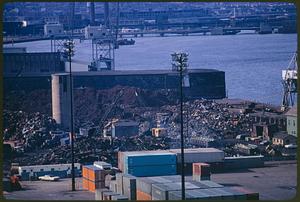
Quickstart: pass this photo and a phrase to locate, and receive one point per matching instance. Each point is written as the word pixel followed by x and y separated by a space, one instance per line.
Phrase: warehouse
pixel 60 170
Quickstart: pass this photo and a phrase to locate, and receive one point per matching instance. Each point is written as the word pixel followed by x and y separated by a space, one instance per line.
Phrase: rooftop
pixel 292 111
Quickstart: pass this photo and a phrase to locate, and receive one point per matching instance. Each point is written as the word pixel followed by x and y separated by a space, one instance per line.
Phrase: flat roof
pixel 112 73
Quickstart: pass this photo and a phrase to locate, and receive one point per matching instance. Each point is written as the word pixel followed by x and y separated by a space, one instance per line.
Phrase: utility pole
pixel 69 51
pixel 180 64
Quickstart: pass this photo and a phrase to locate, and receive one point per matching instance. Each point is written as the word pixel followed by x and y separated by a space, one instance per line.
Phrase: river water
pixel 252 62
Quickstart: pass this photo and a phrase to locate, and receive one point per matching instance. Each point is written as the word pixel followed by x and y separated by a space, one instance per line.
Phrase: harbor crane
pixel 289 82
pixel 103 46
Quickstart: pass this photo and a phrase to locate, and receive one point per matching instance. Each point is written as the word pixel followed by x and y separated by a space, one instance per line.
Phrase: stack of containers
pixel 107 196
pixel 113 185
pixel 150 164
pixel 119 180
pixel 129 186
pixel 195 155
pixel 201 171
pixel 119 198
pixel 144 185
pixel 99 193
pixel 93 178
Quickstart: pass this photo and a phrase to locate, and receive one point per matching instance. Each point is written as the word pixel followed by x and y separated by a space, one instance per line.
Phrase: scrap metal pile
pixel 206 120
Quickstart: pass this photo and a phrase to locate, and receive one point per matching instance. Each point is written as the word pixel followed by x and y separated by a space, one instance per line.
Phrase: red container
pixel 142 196
pixel 201 169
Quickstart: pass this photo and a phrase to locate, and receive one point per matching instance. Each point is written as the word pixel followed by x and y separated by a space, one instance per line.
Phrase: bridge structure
pixel 139 33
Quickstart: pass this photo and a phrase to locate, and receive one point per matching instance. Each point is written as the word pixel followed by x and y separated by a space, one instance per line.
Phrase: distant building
pixel 124 128
pixel 91 32
pixel 291 117
pixel 270 118
pixel 282 139
pixel 264 130
pixel 51 30
pixel 35 171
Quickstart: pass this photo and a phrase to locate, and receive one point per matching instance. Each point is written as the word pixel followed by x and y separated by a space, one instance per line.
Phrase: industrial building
pixel 35 171
pixel 18 63
pixel 53 29
pixel 204 83
pixel 282 139
pixel 124 128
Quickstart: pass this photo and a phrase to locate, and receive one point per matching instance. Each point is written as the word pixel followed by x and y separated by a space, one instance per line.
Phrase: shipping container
pixel 98 193
pixel 96 185
pixel 105 195
pixel 113 186
pixel 160 191
pixel 211 184
pixel 102 165
pixel 120 160
pixel 150 159
pixel 94 173
pixel 85 172
pixel 122 155
pixel 119 180
pixel 157 170
pixel 108 195
pixel 85 184
pixel 205 155
pixel 119 198
pixel 200 178
pixel 129 186
pixel 243 162
pixel 202 169
pixel 142 196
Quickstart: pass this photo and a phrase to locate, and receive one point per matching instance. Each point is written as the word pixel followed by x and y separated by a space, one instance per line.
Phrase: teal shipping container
pixel 148 159
pixel 148 171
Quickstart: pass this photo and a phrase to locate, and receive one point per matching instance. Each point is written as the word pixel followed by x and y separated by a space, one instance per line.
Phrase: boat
pixel 122 42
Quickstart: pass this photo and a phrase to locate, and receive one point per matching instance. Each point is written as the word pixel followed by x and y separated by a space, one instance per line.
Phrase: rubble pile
pixel 204 121
pixel 32 129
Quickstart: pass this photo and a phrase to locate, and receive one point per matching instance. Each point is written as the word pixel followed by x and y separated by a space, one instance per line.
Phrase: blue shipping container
pixel 150 159
pixel 147 171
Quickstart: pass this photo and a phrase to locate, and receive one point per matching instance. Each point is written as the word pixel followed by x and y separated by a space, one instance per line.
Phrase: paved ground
pixel 42 190
pixel 276 181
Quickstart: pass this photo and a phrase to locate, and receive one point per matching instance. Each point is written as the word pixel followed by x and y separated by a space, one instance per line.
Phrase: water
pixel 252 62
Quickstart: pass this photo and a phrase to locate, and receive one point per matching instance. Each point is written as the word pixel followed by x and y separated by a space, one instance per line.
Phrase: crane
pixel 289 82
pixel 103 46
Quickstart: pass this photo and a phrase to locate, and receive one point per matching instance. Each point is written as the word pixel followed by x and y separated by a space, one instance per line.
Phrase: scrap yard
pixel 99 104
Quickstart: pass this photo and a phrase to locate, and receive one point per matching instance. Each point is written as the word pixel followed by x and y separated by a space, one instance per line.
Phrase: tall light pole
pixel 179 63
pixel 69 53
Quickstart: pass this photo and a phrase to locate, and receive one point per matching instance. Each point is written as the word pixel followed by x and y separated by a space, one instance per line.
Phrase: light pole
pixel 179 63
pixel 69 53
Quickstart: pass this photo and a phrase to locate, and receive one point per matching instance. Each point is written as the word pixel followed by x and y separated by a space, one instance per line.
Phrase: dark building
pixel 125 129
pixel 199 83
pixel 19 64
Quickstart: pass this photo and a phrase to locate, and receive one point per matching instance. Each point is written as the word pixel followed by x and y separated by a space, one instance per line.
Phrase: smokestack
pixel 106 14
pixel 92 13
